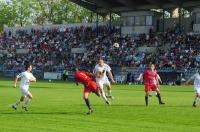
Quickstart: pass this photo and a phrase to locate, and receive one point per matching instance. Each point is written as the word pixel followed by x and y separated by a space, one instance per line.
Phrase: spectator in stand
pixel 132 77
pixel 128 77
pixel 49 47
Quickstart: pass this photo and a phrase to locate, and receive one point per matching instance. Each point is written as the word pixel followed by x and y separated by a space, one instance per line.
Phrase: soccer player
pixel 196 78
pixel 159 79
pixel 101 79
pixel 89 85
pixel 150 75
pixel 26 78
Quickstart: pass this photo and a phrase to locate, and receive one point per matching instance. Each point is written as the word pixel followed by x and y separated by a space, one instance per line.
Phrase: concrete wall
pixel 196 28
pixel 136 29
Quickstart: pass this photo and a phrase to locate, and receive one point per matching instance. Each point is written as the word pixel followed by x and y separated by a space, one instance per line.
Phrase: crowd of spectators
pixel 182 53
pixel 50 49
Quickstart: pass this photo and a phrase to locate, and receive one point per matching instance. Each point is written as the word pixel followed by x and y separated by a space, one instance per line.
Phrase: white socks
pixel 25 104
pixel 17 103
pixel 109 92
pixel 104 96
pixel 196 99
pixel 27 101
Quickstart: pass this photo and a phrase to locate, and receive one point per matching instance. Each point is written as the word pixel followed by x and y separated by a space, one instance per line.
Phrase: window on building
pixel 149 20
pixel 128 21
pixel 131 21
pixel 198 17
pixel 140 20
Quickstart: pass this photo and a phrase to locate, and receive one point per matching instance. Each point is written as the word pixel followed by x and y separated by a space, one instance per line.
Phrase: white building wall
pixel 139 29
pixel 136 29
pixel 196 28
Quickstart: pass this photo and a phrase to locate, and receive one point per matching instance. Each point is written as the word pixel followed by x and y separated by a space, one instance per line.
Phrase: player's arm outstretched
pixel 138 79
pixel 94 74
pixel 186 83
pixel 111 77
pixel 191 78
pixel 159 78
pixel 33 79
pixel 15 82
pixel 157 82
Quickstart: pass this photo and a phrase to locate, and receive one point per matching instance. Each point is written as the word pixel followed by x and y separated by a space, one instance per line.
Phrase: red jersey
pixel 149 77
pixel 83 77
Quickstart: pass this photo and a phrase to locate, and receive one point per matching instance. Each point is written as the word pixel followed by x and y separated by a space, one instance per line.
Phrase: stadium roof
pixel 116 6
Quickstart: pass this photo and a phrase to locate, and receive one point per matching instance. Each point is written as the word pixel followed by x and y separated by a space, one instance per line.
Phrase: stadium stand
pixel 50 50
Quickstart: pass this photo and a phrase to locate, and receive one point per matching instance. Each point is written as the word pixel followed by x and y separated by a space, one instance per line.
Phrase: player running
pixel 26 78
pixel 196 78
pixel 150 75
pixel 101 79
pixel 89 85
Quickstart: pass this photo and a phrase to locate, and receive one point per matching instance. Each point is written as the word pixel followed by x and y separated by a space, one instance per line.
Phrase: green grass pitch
pixel 58 106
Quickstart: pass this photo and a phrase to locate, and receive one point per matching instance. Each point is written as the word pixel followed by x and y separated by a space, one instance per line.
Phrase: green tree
pixel 23 11
pixel 39 12
pixel 7 15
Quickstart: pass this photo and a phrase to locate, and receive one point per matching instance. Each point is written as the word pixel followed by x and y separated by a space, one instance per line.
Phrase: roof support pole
pixel 97 25
pixel 179 20
pixel 110 23
pixel 163 20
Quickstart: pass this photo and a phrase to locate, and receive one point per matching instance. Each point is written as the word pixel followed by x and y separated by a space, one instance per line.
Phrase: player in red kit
pixel 150 76
pixel 89 85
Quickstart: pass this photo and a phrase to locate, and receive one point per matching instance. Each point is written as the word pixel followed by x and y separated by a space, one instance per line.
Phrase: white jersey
pixel 25 79
pixel 196 78
pixel 101 71
pixel 159 79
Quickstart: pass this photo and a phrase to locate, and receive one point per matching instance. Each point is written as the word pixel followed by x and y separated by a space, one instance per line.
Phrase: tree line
pixel 40 12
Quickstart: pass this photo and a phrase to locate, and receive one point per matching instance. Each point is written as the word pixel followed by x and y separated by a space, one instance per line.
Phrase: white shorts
pixel 24 91
pixel 197 90
pixel 103 81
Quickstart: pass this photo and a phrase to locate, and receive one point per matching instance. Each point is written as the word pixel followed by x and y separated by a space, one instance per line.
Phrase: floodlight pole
pixel 97 23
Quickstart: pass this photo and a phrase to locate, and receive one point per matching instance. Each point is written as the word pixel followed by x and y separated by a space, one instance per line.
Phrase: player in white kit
pixel 196 78
pixel 26 78
pixel 101 79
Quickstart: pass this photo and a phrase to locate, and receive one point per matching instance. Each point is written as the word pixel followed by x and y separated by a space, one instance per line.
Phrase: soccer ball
pixel 49 80
pixel 116 45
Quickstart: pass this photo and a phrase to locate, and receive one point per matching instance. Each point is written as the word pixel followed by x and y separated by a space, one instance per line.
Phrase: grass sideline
pixel 59 106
